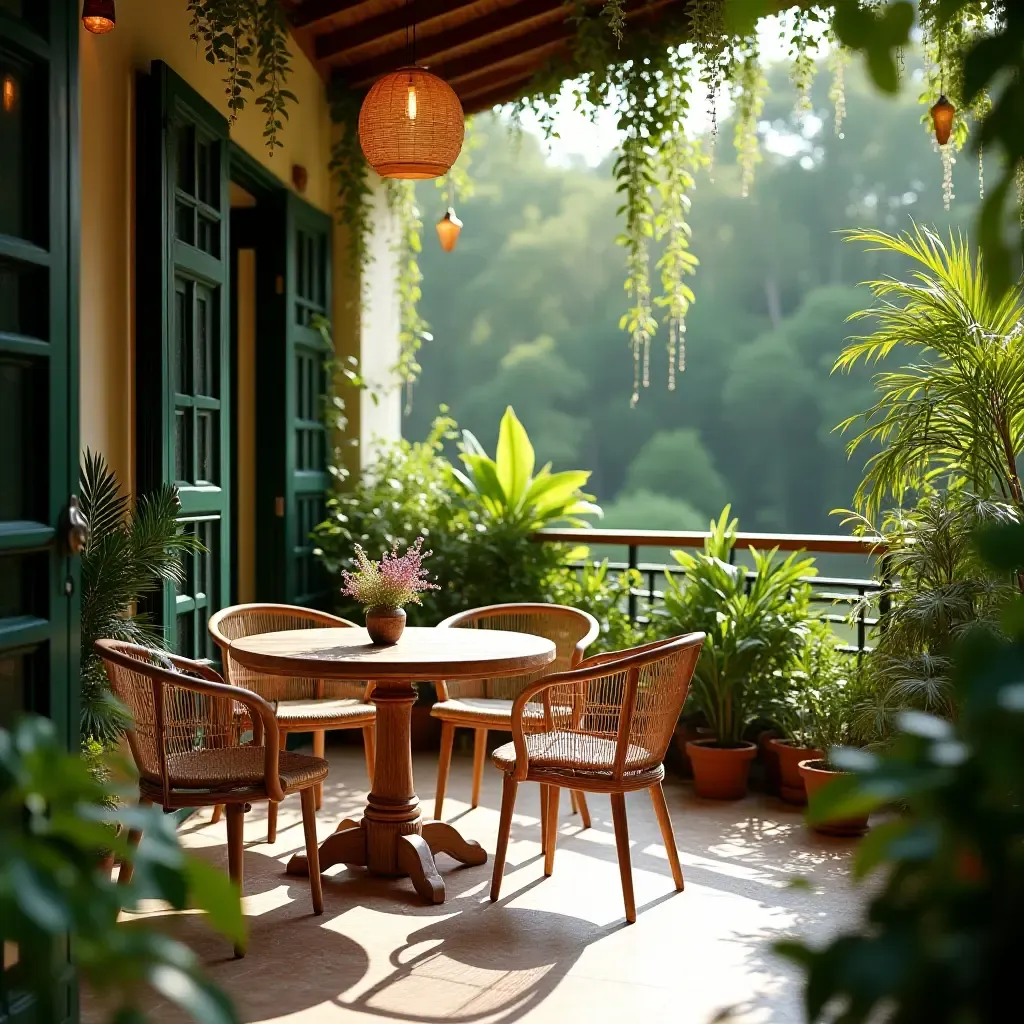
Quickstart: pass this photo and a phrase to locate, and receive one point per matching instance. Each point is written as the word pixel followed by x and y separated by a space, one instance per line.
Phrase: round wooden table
pixel 392 838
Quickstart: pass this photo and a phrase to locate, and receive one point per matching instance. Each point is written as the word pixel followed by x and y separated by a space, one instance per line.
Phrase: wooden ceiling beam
pixel 478 101
pixel 543 38
pixel 335 43
pixel 478 30
pixel 308 12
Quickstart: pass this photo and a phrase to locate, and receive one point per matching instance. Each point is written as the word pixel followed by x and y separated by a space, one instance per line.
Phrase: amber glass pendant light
pixel 98 16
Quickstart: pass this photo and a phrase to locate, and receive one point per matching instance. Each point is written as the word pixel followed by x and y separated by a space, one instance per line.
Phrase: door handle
pixel 74 528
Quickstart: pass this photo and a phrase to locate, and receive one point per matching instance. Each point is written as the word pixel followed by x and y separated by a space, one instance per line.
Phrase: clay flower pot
pixel 385 625
pixel 816 775
pixel 720 772
pixel 791 782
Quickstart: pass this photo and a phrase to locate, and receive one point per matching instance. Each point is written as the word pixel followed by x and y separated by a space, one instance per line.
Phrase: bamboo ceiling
pixel 487 50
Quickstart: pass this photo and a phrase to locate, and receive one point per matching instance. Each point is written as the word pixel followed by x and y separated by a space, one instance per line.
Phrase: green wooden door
pixel 183 340
pixel 39 577
pixel 293 260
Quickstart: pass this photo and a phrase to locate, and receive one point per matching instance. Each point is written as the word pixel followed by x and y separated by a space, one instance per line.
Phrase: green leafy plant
pixel 818 709
pixel 511 493
pixel 240 33
pixel 939 589
pixel 605 594
pixel 940 939
pixel 55 822
pixel 755 627
pixel 958 413
pixel 132 551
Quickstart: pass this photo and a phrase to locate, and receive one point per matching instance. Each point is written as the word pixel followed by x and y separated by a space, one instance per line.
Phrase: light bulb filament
pixel 411 102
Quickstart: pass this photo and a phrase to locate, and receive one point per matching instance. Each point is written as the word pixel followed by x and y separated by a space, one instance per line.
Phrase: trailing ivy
pixel 413 329
pixel 243 33
pixel 749 90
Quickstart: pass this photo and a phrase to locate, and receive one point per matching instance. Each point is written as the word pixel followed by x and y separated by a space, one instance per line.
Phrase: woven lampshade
pixel 411 125
pixel 99 16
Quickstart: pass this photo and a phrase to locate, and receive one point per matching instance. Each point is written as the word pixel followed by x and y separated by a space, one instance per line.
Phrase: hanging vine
pixel 413 329
pixel 838 59
pixel 803 67
pixel 748 95
pixel 678 157
pixel 243 34
pixel 711 44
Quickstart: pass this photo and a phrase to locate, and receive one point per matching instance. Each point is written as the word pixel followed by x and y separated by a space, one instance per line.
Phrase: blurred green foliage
pixel 940 941
pixel 56 823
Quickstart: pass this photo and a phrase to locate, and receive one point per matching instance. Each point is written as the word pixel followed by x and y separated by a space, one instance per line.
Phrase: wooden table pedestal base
pixel 392 839
pixel 414 854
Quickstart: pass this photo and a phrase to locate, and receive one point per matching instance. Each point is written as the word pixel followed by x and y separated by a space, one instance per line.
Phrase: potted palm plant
pixel 755 626
pixel 821 667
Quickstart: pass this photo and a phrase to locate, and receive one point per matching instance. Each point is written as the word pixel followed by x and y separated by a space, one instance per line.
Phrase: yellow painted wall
pixel 150 30
pixel 245 416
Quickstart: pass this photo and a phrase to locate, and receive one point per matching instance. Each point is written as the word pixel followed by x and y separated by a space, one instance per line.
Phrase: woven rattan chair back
pixel 614 714
pixel 570 629
pixel 252 619
pixel 172 717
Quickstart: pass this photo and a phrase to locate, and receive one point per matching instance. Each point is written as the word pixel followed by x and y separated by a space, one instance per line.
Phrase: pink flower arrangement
pixel 393 582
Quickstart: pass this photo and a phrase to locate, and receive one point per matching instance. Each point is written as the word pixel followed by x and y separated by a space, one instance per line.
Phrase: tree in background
pixel 677 464
pixel 525 310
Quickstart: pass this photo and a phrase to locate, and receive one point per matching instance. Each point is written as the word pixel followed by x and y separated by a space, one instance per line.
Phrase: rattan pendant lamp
pixel 411 123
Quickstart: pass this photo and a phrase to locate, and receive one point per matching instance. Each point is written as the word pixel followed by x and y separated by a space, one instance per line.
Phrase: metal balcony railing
pixel 853 604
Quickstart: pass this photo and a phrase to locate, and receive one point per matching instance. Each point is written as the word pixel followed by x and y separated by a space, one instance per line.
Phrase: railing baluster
pixel 633 600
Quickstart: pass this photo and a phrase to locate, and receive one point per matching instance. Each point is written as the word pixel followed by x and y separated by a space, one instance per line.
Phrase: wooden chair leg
pixel 319 744
pixel 667 835
pixel 312 849
pixel 508 803
pixel 552 816
pixel 544 795
pixel 443 764
pixel 622 847
pixel 479 756
pixel 272 821
pixel 370 749
pixel 236 853
pixel 581 800
pixel 217 812
pixel 124 874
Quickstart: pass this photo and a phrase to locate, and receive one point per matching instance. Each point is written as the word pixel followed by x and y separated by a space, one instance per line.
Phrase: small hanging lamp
pixel 98 16
pixel 943 113
pixel 448 228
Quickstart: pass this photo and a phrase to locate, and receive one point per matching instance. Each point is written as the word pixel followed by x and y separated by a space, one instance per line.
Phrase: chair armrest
pixel 259 710
pixel 586 641
pixel 573 676
pixel 603 659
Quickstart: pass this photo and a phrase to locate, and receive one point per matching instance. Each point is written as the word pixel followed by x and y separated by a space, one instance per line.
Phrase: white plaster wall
pixel 380 419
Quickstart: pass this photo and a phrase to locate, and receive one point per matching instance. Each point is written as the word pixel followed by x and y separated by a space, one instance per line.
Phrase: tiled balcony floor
pixel 552 950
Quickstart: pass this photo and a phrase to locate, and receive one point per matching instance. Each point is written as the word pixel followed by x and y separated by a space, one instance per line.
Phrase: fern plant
pixel 957 412
pixel 131 552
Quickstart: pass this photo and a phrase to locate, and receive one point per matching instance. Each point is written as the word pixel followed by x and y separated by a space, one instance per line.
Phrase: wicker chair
pixel 301 705
pixel 603 727
pixel 487 704
pixel 189 751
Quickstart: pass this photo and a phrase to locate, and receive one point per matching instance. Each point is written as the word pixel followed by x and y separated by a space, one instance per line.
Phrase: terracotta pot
pixel 791 782
pixel 385 625
pixel 720 773
pixel 816 775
